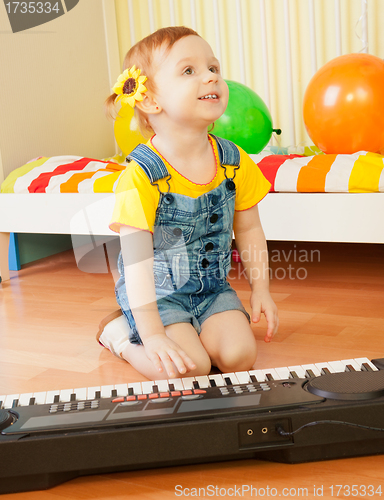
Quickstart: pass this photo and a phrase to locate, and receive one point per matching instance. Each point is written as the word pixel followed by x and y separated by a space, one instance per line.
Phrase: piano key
pixel 40 398
pixel 324 368
pixel 155 388
pixel 177 384
pixel 243 377
pixel 203 381
pixel 351 363
pixel 9 399
pixel 195 384
pixel 299 370
pixel 260 377
pixel 106 391
pixel 367 362
pixel 97 395
pixel 32 401
pixel 162 385
pixel 50 396
pixel 188 382
pixel 136 387
pixel 24 399
pixel 338 366
pixel 65 395
pixel 2 399
pixel 81 393
pixel 313 368
pixel 147 386
pixel 282 372
pixel 218 379
pixel 122 389
pixel 270 374
pixel 91 392
pixel 231 378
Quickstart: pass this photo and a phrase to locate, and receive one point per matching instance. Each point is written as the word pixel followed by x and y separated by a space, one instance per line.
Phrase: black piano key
pixel 212 382
pixel 130 391
pixel 32 401
pixel 268 376
pixel 98 395
pixel 195 384
pixel 325 371
pixel 114 393
pixel 72 397
pixel 155 388
pixel 56 399
pixel 349 368
pixel 253 379
pixel 293 374
pixel 309 373
pixel 228 381
pixel 379 363
pixel 171 387
pixel 15 403
pixel 365 367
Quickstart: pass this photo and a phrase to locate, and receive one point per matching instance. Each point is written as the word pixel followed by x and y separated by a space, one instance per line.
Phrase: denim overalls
pixel 192 245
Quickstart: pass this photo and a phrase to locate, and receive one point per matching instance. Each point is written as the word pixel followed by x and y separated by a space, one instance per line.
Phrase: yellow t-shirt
pixel 137 200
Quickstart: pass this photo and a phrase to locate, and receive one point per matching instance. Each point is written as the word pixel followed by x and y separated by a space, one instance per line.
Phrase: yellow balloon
pixel 127 133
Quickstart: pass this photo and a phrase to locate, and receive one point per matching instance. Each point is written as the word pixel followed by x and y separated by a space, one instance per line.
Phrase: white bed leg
pixel 4 247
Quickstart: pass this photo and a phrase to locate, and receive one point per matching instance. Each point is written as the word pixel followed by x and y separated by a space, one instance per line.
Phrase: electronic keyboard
pixel 289 414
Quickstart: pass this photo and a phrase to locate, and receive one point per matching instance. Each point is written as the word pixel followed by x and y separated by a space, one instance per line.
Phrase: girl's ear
pixel 149 105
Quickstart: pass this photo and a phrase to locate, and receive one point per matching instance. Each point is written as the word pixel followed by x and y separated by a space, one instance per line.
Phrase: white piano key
pixel 298 370
pixel 243 377
pixel 282 372
pixel 136 387
pixel 232 376
pixel 81 393
pixel 65 395
pixel 40 397
pixel 260 377
pixel 91 392
pixel 122 389
pixel 188 382
pixel 338 366
pixel 177 383
pixel 50 395
pixel 147 386
pixel 353 363
pixel 9 399
pixel 360 361
pixel 106 391
pixel 203 381
pixel 24 398
pixel 270 371
pixel 326 365
pixel 313 368
pixel 217 377
pixel 162 385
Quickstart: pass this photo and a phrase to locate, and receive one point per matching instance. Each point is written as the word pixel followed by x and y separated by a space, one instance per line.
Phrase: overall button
pixel 215 199
pixel 230 185
pixel 209 246
pixel 205 263
pixel 213 218
pixel 168 199
pixel 177 232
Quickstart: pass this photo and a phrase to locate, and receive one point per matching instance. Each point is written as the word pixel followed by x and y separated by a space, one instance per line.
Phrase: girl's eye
pixel 214 69
pixel 188 71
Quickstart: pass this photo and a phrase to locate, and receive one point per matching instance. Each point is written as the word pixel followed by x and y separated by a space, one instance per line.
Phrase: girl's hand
pixel 262 302
pixel 165 353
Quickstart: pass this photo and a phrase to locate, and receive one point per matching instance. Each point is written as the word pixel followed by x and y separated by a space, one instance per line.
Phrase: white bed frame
pixel 322 217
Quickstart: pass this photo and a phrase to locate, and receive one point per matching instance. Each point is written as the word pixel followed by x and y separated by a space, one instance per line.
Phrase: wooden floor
pixel 331 306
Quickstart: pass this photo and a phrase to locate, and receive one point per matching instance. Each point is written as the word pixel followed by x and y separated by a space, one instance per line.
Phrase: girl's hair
pixel 141 55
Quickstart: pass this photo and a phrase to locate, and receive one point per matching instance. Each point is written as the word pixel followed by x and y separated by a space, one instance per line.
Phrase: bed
pixel 345 208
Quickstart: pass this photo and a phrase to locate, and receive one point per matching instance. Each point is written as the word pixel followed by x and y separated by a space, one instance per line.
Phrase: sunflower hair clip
pixel 129 87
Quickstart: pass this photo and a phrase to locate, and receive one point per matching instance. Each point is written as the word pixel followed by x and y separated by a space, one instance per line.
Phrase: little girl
pixel 177 203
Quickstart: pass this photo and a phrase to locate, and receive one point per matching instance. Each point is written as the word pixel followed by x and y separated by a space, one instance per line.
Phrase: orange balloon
pixel 344 105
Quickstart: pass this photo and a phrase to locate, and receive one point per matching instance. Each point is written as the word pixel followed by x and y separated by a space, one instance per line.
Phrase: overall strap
pixel 151 163
pixel 228 151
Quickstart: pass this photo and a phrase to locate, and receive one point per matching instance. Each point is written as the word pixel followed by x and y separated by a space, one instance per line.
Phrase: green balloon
pixel 247 121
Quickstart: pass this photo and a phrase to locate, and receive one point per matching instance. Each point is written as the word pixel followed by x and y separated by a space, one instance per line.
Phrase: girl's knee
pixel 237 359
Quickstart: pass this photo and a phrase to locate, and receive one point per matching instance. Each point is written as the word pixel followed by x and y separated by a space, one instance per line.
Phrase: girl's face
pixel 190 88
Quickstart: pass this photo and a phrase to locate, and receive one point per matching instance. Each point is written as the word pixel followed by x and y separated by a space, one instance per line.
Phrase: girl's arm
pixel 137 252
pixel 252 247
